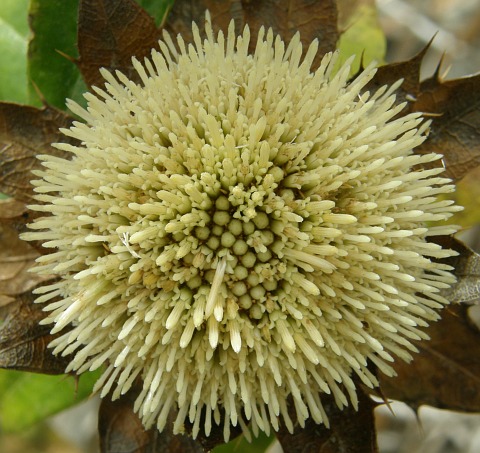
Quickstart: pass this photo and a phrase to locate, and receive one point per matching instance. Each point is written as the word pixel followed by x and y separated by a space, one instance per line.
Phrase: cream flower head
pixel 238 229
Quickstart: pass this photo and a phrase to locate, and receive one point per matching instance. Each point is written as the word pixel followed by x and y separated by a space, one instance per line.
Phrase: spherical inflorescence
pixel 237 229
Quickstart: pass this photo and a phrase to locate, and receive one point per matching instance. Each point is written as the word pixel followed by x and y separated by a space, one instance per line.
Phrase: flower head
pixel 237 229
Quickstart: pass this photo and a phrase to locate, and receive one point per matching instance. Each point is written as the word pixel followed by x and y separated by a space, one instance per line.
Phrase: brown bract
pixel 453 106
pixel 26 132
pixel 23 341
pixel 456 128
pixel 110 33
pixel 408 70
pixel 467 271
pixel 349 432
pixel 120 429
pixel 445 374
pixel 313 19
pixel 16 256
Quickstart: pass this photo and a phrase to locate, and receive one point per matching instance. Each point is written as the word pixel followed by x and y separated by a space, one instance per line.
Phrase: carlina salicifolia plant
pixel 237 229
pixel 242 230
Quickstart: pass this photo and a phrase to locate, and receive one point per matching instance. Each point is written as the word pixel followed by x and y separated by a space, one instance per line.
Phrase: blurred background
pixel 408 25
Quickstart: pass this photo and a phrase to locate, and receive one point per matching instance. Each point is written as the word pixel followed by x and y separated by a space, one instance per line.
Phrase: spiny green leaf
pixel 26 398
pixel 13 72
pixel 7 379
pixel 14 12
pixel 362 37
pixel 239 445
pixel 54 29
pixel 156 8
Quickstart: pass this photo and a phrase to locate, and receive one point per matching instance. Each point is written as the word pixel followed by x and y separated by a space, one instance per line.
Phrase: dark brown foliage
pixel 446 372
pixel 122 431
pixel 23 341
pixel 26 132
pixel 408 70
pixel 455 131
pixel 15 216
pixel 467 270
pixel 350 431
pixel 110 33
pixel 313 19
pixel 453 106
pixel 16 256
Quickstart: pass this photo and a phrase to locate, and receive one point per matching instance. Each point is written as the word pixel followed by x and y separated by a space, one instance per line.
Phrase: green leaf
pixel 156 8
pixel 14 12
pixel 54 28
pixel 27 398
pixel 13 62
pixel 7 379
pixel 240 444
pixel 363 38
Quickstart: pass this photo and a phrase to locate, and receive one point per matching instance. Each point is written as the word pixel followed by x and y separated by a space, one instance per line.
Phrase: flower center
pixel 231 231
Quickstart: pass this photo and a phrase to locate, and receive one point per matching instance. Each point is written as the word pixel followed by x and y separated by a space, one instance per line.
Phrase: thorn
pixel 420 55
pixel 453 313
pixel 445 73
pixel 419 421
pixel 164 18
pixel 385 401
pixel 389 406
pixel 436 73
pixel 429 43
pixel 362 61
pixel 76 378
pixel 39 94
pixel 77 381
pixel 68 57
